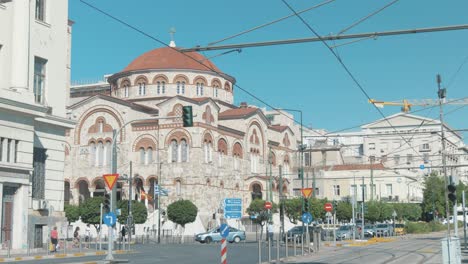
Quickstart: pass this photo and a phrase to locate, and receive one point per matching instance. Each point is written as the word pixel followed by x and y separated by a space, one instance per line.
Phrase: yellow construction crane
pixel 407 104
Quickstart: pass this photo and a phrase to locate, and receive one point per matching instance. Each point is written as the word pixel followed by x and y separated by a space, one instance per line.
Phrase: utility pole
pixel 130 214
pixel 441 93
pixel 313 183
pixel 363 197
pixel 112 196
pixel 372 178
pixel 280 191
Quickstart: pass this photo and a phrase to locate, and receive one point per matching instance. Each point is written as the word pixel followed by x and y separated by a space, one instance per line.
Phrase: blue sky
pixel 300 76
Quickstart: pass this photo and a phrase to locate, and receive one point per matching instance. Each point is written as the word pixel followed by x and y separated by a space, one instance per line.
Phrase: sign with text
pixel 232 208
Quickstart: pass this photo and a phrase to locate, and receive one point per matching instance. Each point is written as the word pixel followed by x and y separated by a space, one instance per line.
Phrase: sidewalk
pixel 62 255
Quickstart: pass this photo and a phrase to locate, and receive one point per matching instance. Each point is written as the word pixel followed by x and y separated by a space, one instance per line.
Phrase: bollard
pixel 259 251
pixel 65 246
pixel 79 242
pixel 9 248
pixel 29 249
pixel 277 249
pixel 48 246
pixel 302 243
pixel 294 237
pixel 269 248
pixel 287 249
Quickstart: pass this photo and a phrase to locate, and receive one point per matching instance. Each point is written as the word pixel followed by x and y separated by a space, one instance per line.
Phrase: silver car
pixel 214 235
pixel 345 232
pixel 383 230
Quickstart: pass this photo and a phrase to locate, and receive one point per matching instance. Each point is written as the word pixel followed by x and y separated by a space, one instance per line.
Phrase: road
pixel 412 249
pixel 415 250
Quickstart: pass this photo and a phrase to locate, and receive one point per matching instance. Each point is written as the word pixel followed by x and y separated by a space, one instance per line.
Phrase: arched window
pixel 286 165
pixel 66 190
pixel 149 155
pixel 161 87
pixel 92 154
pixel 237 153
pixel 184 150
pixel 100 151
pixel 174 150
pixel 142 155
pixel 178 187
pixel 101 126
pixel 180 87
pixel 215 89
pixel 83 191
pixel 256 191
pixel 107 159
pixel 199 88
pixel 141 88
pixel 126 94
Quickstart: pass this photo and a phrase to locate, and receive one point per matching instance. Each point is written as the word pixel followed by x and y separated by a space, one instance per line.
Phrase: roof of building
pixel 135 106
pixel 237 112
pixel 278 128
pixel 343 167
pixel 170 58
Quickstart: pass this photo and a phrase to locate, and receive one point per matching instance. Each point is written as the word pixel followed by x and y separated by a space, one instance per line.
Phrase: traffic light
pixel 107 202
pixel 451 192
pixel 299 173
pixel 306 205
pixel 187 116
pixel 365 208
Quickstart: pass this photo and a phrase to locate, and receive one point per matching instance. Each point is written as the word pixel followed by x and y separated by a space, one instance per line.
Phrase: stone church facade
pixel 226 154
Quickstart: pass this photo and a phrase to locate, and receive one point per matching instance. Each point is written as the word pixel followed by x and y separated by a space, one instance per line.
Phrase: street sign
pixel 422 166
pixel 307 218
pixel 118 212
pixel 110 179
pixel 232 208
pixel 268 205
pixel 328 215
pixel 224 230
pixel 306 192
pixel 110 219
pixel 328 207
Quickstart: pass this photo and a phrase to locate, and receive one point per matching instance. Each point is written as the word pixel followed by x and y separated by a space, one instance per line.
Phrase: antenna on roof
pixel 172 31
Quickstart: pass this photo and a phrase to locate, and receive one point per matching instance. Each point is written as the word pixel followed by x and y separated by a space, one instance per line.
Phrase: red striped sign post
pixel 223 251
pixel 224 230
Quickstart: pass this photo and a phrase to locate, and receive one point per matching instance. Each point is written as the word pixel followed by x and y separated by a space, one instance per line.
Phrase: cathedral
pixel 230 152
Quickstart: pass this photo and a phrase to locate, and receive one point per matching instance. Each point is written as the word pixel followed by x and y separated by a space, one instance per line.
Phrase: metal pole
pixel 100 227
pixel 295 242
pixel 280 191
pixel 363 197
pixel 277 249
pixel 354 205
pixel 269 247
pixel 372 179
pixel 313 183
pixel 286 243
pixel 464 218
pixel 259 251
pixel 130 200
pixel 455 220
pixel 326 38
pixel 334 228
pixel 112 194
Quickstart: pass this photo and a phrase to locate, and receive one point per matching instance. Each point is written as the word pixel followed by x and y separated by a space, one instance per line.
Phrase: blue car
pixel 214 235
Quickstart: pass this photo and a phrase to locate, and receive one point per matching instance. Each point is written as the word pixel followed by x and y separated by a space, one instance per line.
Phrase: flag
pixel 145 196
pixel 159 191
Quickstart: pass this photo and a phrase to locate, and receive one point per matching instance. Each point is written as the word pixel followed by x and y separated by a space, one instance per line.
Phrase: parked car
pixel 369 231
pixel 214 235
pixel 400 229
pixel 383 230
pixel 297 232
pixel 345 232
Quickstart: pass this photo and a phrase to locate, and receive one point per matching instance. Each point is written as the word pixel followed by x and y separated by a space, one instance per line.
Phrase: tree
pixel 90 210
pixel 344 211
pixel 259 214
pixel 433 196
pixel 182 212
pixel 139 211
pixel 292 209
pixel 407 211
pixel 373 211
pixel 316 207
pixel 72 212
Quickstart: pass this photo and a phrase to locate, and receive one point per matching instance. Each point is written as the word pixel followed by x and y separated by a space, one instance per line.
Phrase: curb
pixel 69 255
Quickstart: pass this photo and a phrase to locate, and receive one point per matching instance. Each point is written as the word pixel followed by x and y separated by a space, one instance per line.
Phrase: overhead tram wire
pixel 345 68
pixel 452 79
pixel 177 50
pixel 269 23
pixel 367 17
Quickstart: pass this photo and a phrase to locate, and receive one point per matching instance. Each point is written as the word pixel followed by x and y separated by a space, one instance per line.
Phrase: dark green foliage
pixel 91 209
pixel 139 212
pixel 72 212
pixel 182 212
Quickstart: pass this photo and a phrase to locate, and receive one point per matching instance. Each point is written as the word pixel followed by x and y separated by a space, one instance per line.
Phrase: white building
pixel 34 81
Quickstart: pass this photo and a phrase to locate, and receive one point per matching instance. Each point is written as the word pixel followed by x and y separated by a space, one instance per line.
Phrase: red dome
pixel 168 58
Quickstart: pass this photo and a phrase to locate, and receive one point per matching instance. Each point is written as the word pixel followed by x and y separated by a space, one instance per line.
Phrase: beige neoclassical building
pixel 224 155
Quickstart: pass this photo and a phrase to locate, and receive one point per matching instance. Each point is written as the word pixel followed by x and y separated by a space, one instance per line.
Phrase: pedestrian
pixel 123 232
pixel 76 237
pixel 87 233
pixel 270 231
pixel 54 239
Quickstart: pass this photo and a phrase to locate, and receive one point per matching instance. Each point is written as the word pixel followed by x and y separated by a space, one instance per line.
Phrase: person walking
pixel 123 232
pixel 270 231
pixel 76 237
pixel 54 239
pixel 87 235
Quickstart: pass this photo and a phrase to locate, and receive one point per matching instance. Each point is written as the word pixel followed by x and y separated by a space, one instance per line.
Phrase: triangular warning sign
pixel 110 180
pixel 306 192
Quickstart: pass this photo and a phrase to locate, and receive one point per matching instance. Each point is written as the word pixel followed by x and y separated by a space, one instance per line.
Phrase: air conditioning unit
pixel 42 205
pixel 390 197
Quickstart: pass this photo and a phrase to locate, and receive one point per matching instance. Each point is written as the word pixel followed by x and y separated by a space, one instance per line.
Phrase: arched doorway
pixel 83 191
pixel 100 189
pixel 256 191
pixel 66 190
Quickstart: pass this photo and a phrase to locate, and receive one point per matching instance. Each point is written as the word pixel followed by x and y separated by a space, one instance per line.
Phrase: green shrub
pixel 423 227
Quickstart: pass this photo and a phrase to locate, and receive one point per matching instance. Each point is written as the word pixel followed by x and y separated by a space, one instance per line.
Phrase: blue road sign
pixel 224 230
pixel 232 208
pixel 110 219
pixel 307 218
pixel 422 166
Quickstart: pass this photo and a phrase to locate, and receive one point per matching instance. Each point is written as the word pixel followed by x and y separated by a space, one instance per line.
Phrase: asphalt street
pixel 411 249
